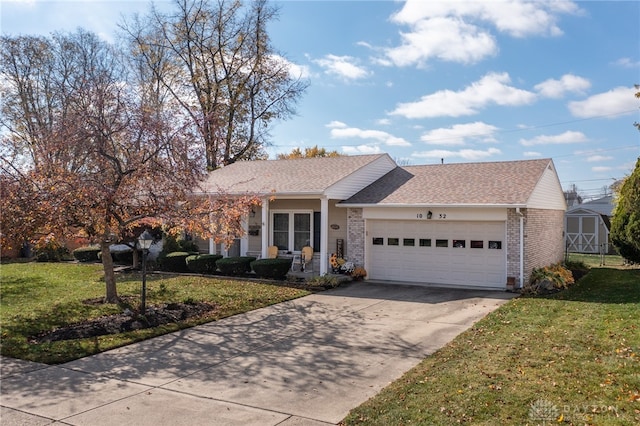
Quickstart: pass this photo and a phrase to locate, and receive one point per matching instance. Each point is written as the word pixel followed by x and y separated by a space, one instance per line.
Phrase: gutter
pixel 521 284
pixel 428 205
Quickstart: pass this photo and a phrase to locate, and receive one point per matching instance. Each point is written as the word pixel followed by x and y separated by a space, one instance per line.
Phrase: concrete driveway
pixel 304 362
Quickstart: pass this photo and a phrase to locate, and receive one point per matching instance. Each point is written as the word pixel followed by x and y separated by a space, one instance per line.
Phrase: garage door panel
pixel 411 262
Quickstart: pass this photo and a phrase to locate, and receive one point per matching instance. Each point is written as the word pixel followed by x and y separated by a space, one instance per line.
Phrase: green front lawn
pixel 37 297
pixel 571 358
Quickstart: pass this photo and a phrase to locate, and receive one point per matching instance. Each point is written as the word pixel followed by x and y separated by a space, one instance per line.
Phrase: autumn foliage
pixel 85 149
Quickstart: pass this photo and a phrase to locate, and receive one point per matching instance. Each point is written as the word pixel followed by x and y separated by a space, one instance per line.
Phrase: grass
pixel 595 260
pixel 571 358
pixel 37 297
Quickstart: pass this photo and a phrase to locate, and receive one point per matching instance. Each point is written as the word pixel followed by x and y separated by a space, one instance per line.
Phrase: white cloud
pixel 336 125
pixel 557 88
pixel 383 122
pixel 461 31
pixel 343 66
pixel 493 88
pixel 361 149
pixel 627 63
pixel 563 138
pixel 443 38
pixel 532 154
pixel 614 102
pixel 601 169
pixel 456 134
pixel 295 70
pixel 466 154
pixel 596 158
pixel 344 132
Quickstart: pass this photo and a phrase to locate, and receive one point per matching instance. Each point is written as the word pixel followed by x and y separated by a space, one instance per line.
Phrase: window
pixel 442 243
pixel 281 230
pixel 378 241
pixel 496 245
pixel 425 242
pixel 477 244
pixel 393 241
pixel 459 243
pixel 409 242
pixel 291 230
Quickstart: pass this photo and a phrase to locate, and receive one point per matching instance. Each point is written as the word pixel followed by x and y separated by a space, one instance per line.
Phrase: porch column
pixel 264 228
pixel 324 234
pixel 244 240
pixel 212 246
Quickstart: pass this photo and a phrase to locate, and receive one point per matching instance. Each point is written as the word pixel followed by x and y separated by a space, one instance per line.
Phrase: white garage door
pixel 470 254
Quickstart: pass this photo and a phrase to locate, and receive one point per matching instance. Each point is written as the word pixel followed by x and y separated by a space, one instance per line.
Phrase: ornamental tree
pixel 87 146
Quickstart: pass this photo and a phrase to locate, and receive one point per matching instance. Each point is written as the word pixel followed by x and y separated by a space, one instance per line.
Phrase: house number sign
pixel 430 215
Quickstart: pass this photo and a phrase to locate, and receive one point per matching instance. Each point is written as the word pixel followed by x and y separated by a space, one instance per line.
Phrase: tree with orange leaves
pixel 88 144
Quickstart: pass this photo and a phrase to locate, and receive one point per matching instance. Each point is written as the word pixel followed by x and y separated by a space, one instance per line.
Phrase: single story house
pixel 470 225
pixel 587 226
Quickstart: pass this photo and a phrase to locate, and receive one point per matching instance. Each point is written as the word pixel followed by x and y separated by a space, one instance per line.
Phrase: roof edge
pixel 433 205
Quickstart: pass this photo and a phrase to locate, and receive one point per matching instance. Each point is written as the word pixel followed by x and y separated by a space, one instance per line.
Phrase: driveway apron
pixel 303 362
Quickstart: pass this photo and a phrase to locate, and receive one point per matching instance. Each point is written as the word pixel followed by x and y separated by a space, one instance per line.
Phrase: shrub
pixel 239 265
pixel 124 256
pixel 49 249
pixel 203 263
pixel 549 279
pixel 86 254
pixel 325 281
pixel 175 262
pixel 272 268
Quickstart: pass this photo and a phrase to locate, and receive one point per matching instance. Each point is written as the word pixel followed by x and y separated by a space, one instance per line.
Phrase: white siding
pixel 548 192
pixel 361 178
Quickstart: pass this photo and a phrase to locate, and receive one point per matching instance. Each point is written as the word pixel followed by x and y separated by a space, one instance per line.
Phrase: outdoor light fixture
pixel 144 243
pixel 429 214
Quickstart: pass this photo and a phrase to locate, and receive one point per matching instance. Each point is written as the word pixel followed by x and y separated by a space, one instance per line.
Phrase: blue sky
pixel 425 81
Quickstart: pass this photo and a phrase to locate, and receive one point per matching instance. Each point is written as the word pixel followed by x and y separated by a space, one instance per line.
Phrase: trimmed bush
pixel 271 268
pixel 549 279
pixel 175 262
pixel 239 265
pixel 87 254
pixel 124 256
pixel 203 263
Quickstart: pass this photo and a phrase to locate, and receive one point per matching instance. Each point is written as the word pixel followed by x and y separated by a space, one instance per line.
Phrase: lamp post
pixel 144 243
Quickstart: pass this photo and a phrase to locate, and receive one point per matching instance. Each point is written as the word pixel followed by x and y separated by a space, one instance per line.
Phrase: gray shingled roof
pixel 602 205
pixel 496 183
pixel 298 176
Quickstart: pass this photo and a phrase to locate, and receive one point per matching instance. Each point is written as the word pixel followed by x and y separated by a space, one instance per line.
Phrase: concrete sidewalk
pixel 303 362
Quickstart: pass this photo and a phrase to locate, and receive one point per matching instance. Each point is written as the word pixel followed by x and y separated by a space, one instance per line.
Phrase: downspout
pixel 521 246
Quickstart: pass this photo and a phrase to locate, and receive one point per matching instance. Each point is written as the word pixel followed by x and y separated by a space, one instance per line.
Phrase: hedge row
pixel 87 254
pixel 182 261
pixel 232 266
pixel 203 263
pixel 276 269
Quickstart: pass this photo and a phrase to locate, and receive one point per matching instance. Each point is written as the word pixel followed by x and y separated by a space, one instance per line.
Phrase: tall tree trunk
pixel 109 275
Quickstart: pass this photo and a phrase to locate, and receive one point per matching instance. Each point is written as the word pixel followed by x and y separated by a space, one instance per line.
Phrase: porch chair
pixel 272 252
pixel 307 258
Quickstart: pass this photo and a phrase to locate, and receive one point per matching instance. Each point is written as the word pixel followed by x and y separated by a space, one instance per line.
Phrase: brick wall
pixel 355 236
pixel 544 240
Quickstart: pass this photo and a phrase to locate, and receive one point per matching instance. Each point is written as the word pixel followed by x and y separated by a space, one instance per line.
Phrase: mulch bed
pixel 127 321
